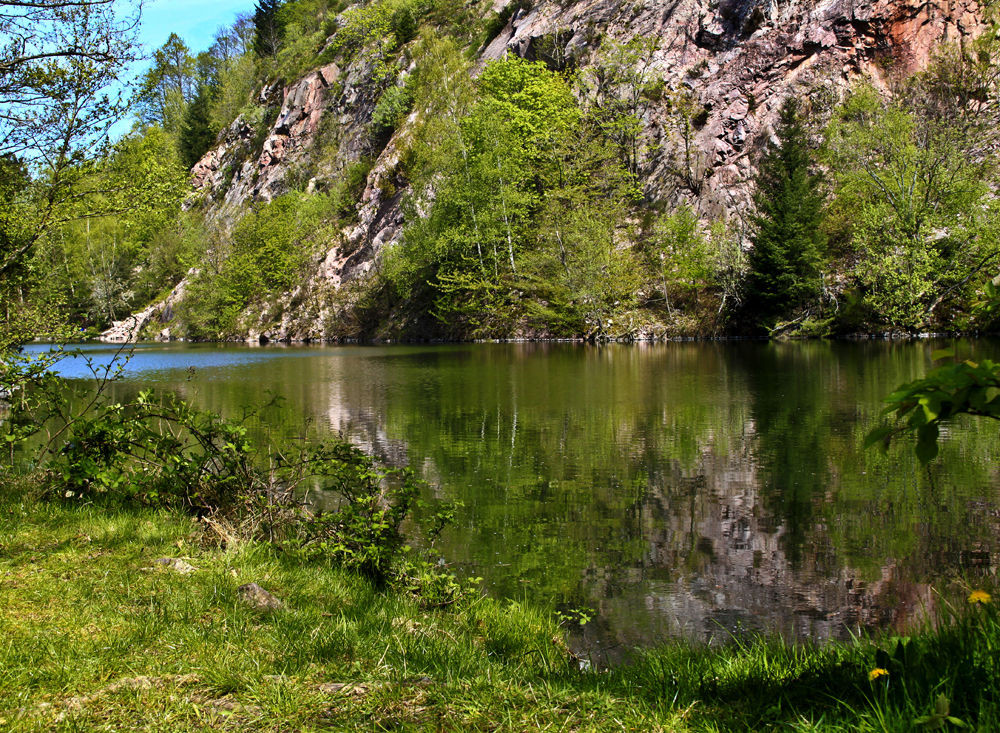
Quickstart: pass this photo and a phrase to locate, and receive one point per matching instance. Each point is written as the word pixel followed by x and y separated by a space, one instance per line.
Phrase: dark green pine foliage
pixel 267 28
pixel 197 135
pixel 788 240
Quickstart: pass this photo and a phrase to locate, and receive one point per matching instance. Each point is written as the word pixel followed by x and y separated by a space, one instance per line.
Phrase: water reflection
pixel 684 489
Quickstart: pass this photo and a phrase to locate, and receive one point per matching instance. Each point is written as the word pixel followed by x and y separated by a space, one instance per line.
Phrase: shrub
pixel 390 110
pixel 159 450
pixel 266 253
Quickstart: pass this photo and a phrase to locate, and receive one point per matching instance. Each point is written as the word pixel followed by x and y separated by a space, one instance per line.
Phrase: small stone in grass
pixel 358 689
pixel 254 595
pixel 175 563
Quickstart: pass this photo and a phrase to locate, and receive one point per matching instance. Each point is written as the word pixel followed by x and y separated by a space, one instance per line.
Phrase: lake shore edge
pixel 134 617
pixel 255 340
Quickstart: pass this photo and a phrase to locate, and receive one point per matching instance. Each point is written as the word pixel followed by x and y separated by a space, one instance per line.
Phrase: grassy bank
pixel 94 635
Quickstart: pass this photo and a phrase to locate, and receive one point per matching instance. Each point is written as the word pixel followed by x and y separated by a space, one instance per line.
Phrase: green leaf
pixel 940 354
pixel 927 446
pixel 942 705
pixel 879 436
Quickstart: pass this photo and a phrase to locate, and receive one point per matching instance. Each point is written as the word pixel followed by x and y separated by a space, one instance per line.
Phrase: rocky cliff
pixel 735 60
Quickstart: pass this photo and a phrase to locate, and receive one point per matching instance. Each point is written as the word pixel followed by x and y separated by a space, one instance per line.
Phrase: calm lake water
pixel 690 489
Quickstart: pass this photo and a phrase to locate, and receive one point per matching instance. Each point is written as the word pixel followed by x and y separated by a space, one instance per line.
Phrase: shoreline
pixel 168 639
pixel 262 341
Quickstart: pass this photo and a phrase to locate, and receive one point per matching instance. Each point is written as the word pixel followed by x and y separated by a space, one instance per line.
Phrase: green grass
pixel 93 636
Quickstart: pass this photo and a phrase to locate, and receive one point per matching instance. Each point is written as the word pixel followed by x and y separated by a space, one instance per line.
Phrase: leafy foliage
pixel 54 58
pixel 102 267
pixel 268 29
pixel 168 86
pixel 390 110
pixel 196 135
pixel 923 406
pixel 264 257
pixel 522 185
pixel 913 179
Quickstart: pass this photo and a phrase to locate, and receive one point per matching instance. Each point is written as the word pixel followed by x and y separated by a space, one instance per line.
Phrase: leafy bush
pixel 372 34
pixel 347 191
pixel 404 25
pixel 390 110
pixel 923 406
pixel 266 253
pixel 159 450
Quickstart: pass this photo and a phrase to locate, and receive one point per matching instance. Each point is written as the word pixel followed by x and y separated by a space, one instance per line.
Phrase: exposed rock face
pixel 738 59
pixel 741 59
pixel 130 329
pixel 292 133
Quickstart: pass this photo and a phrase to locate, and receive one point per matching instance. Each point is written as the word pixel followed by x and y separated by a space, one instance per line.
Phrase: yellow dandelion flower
pixel 876 673
pixel 980 596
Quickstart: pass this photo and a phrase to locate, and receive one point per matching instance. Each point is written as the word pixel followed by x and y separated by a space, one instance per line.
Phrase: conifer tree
pixel 268 29
pixel 787 240
pixel 197 135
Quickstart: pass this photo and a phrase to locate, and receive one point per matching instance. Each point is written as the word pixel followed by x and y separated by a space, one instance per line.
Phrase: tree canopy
pixel 59 96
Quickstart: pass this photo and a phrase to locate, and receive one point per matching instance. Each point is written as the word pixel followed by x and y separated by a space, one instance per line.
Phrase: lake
pixel 693 490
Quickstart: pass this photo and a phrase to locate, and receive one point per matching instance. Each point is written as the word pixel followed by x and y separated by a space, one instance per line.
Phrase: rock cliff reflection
pixel 696 490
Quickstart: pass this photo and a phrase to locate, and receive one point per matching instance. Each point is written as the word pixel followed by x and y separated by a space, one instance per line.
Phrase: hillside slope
pixel 703 80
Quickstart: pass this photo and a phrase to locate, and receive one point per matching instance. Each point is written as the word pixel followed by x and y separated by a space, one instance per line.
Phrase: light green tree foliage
pixel 581 270
pixel 443 92
pixel 372 35
pixel 914 174
pixel 681 255
pixel 59 64
pixel 237 87
pixel 305 26
pixel 168 86
pixel 687 161
pixel 23 313
pixel 923 406
pixel 470 243
pixel 234 75
pixel 730 260
pixel 521 204
pixel 99 266
pixel 620 87
pixel 194 97
pixel 263 258
pixel 390 110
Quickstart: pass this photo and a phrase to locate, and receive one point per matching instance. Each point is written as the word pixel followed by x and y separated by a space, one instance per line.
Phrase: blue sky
pixel 193 20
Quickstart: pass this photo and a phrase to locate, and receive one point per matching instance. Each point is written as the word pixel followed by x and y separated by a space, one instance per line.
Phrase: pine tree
pixel 268 29
pixel 196 135
pixel 788 240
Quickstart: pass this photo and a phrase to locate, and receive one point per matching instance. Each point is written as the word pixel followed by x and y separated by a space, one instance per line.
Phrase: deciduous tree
pixel 914 173
pixel 60 64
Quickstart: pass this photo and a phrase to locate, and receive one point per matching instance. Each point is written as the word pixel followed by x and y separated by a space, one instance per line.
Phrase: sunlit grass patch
pixel 96 636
